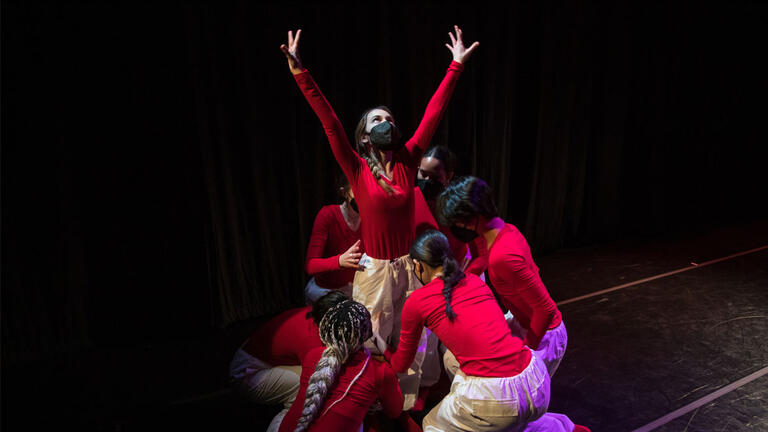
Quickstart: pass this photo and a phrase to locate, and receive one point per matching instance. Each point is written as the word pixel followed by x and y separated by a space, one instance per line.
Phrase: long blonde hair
pixel 368 152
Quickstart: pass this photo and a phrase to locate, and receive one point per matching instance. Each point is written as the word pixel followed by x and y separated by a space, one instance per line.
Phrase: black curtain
pixel 161 171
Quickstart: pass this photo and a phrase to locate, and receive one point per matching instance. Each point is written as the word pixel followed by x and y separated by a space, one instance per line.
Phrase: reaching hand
pixel 292 52
pixel 460 53
pixel 351 258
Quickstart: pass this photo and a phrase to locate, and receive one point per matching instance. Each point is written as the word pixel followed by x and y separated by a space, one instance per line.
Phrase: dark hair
pixel 444 155
pixel 343 330
pixel 368 152
pixel 464 199
pixel 342 182
pixel 432 248
pixel 324 303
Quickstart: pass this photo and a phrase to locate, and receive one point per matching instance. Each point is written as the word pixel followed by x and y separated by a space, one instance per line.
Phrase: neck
pixel 433 273
pixel 351 217
pixel 386 161
pixel 489 229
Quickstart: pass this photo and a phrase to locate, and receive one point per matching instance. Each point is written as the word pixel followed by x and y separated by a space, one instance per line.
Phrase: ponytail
pixel 452 274
pixel 432 247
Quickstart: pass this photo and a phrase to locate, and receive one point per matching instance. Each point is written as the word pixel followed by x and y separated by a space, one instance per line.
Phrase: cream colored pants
pixel 382 286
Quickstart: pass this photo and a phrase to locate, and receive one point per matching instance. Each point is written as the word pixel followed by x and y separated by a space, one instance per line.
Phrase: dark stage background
pixel 161 171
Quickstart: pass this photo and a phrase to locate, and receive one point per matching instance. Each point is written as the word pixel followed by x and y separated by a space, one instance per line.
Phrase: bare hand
pixel 351 258
pixel 291 52
pixel 460 53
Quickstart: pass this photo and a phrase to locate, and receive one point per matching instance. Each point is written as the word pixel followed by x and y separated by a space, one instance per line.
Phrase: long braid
pixel 376 167
pixel 452 274
pixel 343 330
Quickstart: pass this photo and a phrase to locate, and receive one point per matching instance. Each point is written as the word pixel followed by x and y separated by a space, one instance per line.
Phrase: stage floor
pixel 681 351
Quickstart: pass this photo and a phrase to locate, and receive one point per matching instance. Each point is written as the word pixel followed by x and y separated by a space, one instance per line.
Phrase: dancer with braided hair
pixel 502 384
pixel 340 381
pixel 382 173
pixel 266 367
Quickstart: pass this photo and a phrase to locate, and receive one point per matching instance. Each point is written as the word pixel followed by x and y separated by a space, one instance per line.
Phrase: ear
pixel 449 177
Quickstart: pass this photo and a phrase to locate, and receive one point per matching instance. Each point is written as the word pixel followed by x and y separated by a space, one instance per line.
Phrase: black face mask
pixel 430 188
pixel 464 234
pixel 386 137
pixel 416 275
pixel 353 204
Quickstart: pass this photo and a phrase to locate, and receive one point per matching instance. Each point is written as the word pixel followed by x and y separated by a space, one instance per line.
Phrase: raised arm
pixel 437 105
pixel 342 151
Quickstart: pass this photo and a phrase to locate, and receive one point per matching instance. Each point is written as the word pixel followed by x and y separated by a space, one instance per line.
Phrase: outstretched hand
pixel 460 53
pixel 291 52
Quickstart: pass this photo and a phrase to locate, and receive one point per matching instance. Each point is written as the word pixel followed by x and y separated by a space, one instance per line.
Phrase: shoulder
pixel 313 356
pixel 328 212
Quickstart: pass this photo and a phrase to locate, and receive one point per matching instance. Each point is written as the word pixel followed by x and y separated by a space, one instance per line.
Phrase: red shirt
pixel 479 336
pixel 387 220
pixel 377 382
pixel 284 339
pixel 331 237
pixel 424 219
pixel 479 263
pixel 516 279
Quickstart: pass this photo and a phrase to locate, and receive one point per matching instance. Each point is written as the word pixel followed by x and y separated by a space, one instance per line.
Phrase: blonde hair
pixel 368 151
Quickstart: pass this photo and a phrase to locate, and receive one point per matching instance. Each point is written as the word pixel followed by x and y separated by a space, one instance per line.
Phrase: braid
pixel 375 166
pixel 452 274
pixel 343 330
pixel 368 153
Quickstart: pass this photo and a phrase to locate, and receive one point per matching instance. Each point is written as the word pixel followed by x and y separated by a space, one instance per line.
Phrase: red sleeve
pixel 434 112
pixel 531 294
pixel 479 263
pixel 345 156
pixel 411 325
pixel 389 393
pixel 316 263
pixel 422 216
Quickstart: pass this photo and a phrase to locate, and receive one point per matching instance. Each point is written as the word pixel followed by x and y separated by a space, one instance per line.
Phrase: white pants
pixel 382 286
pixel 552 346
pixel 517 403
pixel 262 383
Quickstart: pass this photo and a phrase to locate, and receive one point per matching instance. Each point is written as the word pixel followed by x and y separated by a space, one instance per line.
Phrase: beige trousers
pixel 382 286
pixel 484 404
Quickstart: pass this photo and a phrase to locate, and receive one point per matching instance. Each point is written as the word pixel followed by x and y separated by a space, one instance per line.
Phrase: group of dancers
pixel 413 269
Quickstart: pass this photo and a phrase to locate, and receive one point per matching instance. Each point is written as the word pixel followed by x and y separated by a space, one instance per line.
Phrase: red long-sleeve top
pixel 479 263
pixel 284 339
pixel 479 336
pixel 331 237
pixel 377 382
pixel 516 279
pixel 387 220
pixel 424 219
